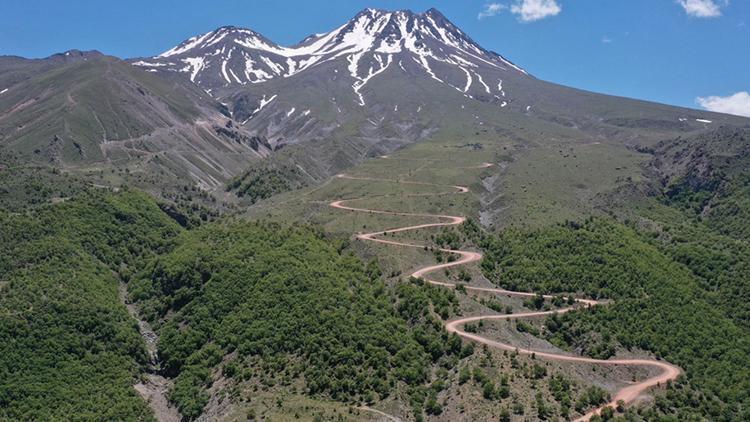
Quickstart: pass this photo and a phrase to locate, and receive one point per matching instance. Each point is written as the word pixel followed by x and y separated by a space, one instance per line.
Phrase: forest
pixel 671 294
pixel 67 344
pixel 290 298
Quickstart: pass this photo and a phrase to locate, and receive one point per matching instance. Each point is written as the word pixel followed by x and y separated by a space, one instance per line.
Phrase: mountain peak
pixel 373 38
pixel 402 12
pixel 218 37
pixel 78 54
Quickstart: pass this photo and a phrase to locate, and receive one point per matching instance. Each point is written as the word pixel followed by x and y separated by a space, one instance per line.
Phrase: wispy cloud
pixel 534 10
pixel 703 8
pixel 606 40
pixel 737 104
pixel 491 9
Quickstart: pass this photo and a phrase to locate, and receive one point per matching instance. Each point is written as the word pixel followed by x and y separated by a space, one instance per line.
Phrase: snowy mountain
pixel 218 102
pixel 385 79
pixel 374 40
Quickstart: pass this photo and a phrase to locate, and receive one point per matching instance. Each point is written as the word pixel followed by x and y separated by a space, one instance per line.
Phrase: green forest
pixel 290 298
pixel 67 344
pixel 668 297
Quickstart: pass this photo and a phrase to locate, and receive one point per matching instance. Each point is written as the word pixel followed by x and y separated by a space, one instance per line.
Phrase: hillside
pixel 69 346
pixel 98 112
pixel 202 112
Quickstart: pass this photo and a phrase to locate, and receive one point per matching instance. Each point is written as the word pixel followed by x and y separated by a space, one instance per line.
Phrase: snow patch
pixel 359 82
pixel 151 64
pixel 216 38
pixel 234 75
pixel 463 61
pixel 481 81
pixel 263 102
pixel 194 66
pixel 373 32
pixel 187 45
pixel 423 62
pixel 254 75
pixel 468 79
pixel 224 67
pixel 385 47
pixel 703 121
pixel 275 67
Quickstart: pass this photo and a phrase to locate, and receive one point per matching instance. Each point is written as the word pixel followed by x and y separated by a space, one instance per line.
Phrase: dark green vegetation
pixel 68 347
pixel 289 310
pixel 679 284
pixel 292 302
pixel 264 181
pixel 286 299
pixel 24 185
pixel 707 178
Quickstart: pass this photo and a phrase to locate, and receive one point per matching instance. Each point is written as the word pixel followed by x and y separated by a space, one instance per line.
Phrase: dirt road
pixel 627 394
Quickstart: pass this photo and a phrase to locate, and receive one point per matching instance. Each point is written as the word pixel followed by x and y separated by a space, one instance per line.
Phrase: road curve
pixel 628 394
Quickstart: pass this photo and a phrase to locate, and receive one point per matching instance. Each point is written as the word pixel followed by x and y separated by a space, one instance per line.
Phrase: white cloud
pixel 534 10
pixel 606 40
pixel 491 9
pixel 703 8
pixel 737 104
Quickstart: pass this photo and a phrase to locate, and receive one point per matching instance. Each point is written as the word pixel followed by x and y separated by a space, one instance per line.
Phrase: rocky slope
pixel 86 109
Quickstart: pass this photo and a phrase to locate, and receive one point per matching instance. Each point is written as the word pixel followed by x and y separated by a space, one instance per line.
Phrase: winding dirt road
pixel 628 394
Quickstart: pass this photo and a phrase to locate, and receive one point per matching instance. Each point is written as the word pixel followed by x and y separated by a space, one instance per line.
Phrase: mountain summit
pixel 369 43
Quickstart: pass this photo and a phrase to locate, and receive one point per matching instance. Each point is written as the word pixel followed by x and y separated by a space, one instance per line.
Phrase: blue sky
pixel 671 51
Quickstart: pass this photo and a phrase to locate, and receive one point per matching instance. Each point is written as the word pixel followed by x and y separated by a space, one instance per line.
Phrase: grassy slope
pixel 24 185
pixel 680 279
pixel 667 294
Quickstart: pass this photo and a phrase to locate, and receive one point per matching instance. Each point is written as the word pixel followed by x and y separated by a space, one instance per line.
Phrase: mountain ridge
pixel 378 82
pixel 80 109
pixel 369 31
